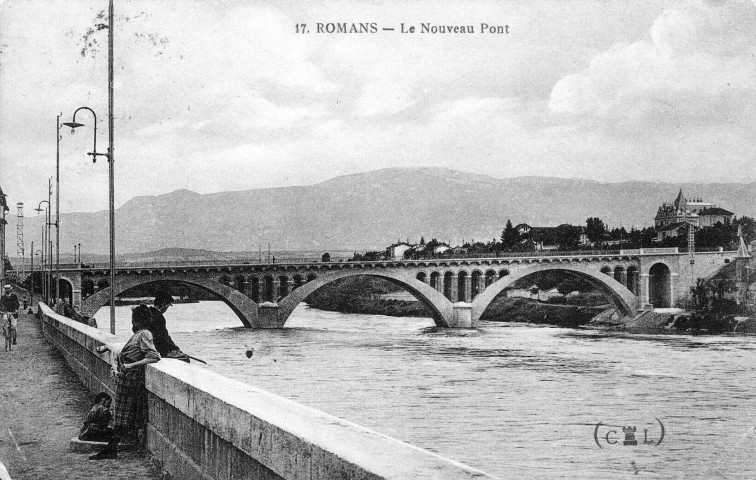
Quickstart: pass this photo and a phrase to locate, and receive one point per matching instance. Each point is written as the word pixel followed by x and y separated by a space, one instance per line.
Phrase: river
pixel 515 400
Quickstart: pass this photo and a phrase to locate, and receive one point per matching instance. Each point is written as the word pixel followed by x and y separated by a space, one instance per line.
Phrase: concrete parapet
pixel 226 420
pixel 206 426
pixel 78 343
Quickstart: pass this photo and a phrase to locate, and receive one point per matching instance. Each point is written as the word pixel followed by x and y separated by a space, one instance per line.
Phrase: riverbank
pixel 42 406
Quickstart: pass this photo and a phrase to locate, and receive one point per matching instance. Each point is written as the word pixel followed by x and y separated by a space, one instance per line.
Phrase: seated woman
pixel 131 394
pixel 97 424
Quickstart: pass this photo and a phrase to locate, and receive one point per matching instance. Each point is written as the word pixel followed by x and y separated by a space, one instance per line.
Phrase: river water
pixel 517 401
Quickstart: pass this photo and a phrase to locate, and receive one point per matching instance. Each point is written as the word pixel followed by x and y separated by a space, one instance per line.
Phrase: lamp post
pixel 110 156
pixel 45 241
pixel 94 153
pixel 31 277
pixel 57 204
pixel 42 281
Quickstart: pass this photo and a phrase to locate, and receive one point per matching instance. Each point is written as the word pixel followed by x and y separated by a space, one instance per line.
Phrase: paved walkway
pixel 42 406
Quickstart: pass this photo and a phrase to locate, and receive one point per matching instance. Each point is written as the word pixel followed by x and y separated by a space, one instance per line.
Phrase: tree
pixel 595 229
pixel 567 237
pixel 567 286
pixel 510 237
pixel 422 240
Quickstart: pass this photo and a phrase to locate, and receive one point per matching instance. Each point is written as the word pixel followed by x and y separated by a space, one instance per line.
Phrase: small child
pixel 7 331
pixel 96 425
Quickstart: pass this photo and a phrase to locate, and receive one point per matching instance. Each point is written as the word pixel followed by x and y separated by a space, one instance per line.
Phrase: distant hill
pixel 372 210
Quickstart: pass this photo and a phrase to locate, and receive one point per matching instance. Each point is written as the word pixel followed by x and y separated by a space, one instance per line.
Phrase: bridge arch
pixel 660 285
pixel 438 304
pixel 242 305
pixel 66 289
pixel 624 301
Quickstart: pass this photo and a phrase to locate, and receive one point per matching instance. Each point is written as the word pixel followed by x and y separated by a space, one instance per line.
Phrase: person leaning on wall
pixel 131 394
pixel 163 341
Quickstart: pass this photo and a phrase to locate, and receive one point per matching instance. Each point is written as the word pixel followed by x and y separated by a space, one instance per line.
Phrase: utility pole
pixel 111 162
pixel 57 206
pixel 20 240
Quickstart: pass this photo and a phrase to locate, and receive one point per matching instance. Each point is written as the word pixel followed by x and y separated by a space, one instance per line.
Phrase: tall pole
pixel 42 272
pixel 111 159
pixel 31 277
pixel 57 205
pixel 49 241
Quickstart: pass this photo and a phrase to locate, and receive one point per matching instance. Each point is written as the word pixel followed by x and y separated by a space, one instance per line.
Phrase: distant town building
pixel 673 219
pixel 691 210
pixel 397 250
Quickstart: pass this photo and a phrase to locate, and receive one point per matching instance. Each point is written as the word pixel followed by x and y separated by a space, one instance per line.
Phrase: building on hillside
pixel 673 230
pixel 690 210
pixel 397 250
pixel 708 217
pixel 440 248
pixel 548 238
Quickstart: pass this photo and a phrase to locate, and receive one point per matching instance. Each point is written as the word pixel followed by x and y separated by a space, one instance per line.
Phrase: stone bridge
pixel 456 290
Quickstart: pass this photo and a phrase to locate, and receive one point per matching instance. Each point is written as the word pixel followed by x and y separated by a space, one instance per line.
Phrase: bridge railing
pixel 305 260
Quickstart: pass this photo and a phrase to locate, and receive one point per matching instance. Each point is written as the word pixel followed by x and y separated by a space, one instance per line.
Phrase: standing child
pixel 7 332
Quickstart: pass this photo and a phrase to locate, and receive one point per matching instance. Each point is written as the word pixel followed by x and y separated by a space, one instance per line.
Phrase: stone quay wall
pixel 205 426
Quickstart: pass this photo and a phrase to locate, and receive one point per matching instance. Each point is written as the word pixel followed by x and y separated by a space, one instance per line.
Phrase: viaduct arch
pixel 242 305
pixel 623 299
pixel 438 304
pixel 441 307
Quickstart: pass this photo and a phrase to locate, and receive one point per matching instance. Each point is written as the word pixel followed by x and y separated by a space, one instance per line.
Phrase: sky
pixel 216 96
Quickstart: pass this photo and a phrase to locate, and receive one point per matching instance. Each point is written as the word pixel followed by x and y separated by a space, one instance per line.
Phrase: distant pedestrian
pixel 163 341
pixel 131 394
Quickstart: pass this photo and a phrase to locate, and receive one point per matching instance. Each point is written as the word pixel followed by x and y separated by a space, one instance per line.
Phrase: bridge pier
pixel 267 316
pixel 462 316
pixel 673 281
pixel 645 289
pixel 77 299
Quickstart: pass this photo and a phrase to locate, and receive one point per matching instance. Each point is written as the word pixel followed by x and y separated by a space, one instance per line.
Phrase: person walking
pixel 9 304
pixel 131 394
pixel 163 341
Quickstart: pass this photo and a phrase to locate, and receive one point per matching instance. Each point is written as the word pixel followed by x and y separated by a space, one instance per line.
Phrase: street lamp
pixel 110 157
pixel 57 204
pixel 94 153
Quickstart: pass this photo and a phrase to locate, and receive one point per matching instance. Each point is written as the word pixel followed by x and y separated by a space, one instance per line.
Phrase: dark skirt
pixel 130 409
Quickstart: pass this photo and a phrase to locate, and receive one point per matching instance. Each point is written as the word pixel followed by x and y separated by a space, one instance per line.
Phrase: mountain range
pixel 370 211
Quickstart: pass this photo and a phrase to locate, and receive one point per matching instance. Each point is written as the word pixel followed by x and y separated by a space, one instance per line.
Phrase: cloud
pixel 695 67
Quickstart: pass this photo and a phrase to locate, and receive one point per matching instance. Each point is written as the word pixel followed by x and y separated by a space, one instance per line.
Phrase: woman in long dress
pixel 131 394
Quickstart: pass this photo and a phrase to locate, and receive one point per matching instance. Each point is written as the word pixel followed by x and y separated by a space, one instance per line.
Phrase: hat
pixel 7 287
